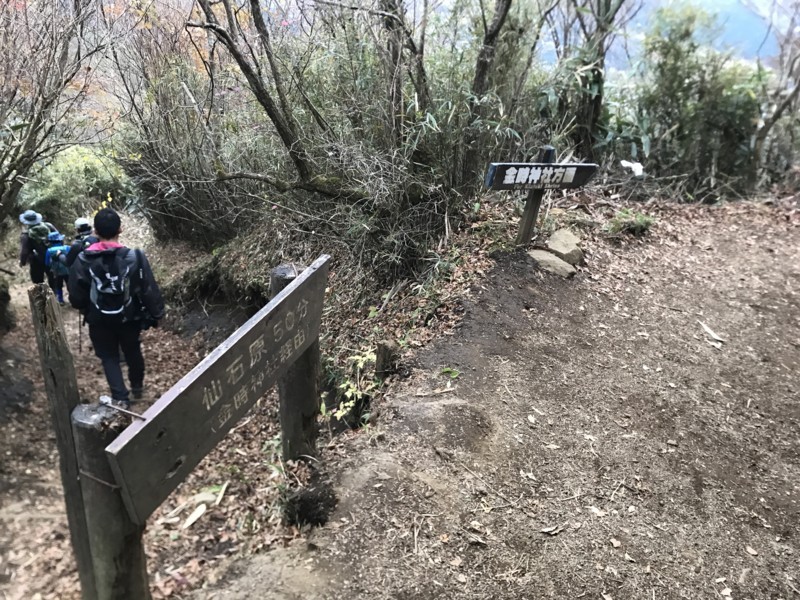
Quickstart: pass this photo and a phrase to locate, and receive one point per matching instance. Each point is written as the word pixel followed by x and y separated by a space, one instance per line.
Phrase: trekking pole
pixel 80 335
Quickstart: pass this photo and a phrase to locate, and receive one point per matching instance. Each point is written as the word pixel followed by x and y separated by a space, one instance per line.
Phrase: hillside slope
pixel 597 441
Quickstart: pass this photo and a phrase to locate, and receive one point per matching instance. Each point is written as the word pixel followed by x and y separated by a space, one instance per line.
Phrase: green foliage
pixel 691 110
pixel 74 184
pixel 629 221
pixel 212 168
pixel 354 389
pixel 450 372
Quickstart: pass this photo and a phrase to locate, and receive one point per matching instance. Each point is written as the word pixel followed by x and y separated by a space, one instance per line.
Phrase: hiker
pixel 83 239
pixel 114 287
pixel 33 244
pixel 56 268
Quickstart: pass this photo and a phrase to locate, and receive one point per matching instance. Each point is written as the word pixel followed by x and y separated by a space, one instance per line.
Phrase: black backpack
pixel 111 290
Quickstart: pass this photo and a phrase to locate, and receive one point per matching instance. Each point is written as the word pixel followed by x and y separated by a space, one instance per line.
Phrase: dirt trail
pixel 35 555
pixel 594 444
pixel 34 539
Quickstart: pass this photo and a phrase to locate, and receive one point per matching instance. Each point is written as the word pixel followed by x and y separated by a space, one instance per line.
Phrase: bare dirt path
pixel 596 442
pixel 36 560
pixel 34 538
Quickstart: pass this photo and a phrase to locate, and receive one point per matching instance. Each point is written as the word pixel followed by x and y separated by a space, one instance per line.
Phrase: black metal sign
pixel 538 176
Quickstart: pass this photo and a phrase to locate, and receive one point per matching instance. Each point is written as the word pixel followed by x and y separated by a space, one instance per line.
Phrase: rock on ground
pixel 564 244
pixel 551 263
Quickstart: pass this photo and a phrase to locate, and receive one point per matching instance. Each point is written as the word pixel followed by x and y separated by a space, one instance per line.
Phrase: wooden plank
pixel 152 456
pixel 61 387
pixel 298 388
pixel 544 176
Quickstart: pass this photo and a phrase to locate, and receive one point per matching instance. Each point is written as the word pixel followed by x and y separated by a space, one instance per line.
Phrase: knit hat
pixel 30 218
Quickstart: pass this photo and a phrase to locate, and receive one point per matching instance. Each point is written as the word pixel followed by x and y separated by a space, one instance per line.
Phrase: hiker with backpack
pixel 83 239
pixel 33 244
pixel 114 287
pixel 56 268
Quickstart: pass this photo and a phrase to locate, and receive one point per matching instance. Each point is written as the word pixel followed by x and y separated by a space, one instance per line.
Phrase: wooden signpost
pixel 155 453
pixel 113 481
pixel 537 177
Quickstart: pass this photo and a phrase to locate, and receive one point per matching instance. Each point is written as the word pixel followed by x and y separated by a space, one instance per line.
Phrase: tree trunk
pixel 263 34
pixel 394 29
pixel 471 166
pixel 257 85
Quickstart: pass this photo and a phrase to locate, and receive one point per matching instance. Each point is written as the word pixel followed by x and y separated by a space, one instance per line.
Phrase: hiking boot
pixel 114 402
pixel 137 393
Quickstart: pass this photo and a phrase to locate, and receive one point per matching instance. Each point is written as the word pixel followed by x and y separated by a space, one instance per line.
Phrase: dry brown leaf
pixel 461 578
pixel 555 530
pixel 751 551
pixel 456 562
pixel 615 542
pixel 221 493
pixel 710 332
pixel 196 514
pixel 597 512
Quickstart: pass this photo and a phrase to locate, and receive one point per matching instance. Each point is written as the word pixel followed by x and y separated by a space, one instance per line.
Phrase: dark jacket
pixel 146 299
pixel 81 242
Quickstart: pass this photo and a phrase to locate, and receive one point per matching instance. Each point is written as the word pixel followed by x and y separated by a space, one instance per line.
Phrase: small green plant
pixel 630 221
pixel 452 373
pixel 354 388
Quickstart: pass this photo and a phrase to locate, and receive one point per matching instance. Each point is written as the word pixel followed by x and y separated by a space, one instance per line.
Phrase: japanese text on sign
pixel 154 454
pixel 510 176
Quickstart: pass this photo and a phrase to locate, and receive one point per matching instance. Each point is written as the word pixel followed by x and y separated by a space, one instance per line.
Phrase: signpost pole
pixel 298 389
pixel 62 393
pixel 115 542
pixel 533 202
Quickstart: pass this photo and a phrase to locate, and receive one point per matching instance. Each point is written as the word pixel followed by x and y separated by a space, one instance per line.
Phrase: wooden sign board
pixel 152 456
pixel 538 176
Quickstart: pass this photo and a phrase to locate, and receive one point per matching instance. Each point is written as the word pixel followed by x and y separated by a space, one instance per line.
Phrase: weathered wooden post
pixel 533 202
pixel 115 542
pixel 537 178
pixel 62 393
pixel 298 389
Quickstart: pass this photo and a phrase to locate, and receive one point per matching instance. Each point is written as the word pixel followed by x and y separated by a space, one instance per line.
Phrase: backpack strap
pixel 139 266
